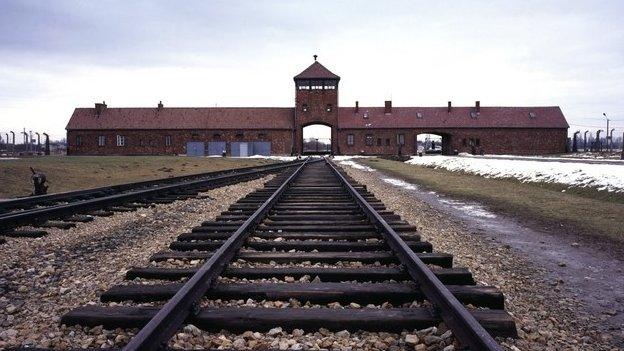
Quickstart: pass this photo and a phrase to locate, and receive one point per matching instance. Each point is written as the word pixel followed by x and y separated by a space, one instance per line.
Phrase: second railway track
pixel 314 241
pixel 64 209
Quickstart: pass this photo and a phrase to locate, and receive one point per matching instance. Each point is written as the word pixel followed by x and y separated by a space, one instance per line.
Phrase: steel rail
pixel 464 326
pixel 68 196
pixel 184 303
pixel 13 219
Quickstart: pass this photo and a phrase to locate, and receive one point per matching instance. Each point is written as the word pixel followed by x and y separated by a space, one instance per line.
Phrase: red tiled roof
pixel 316 71
pixel 459 117
pixel 183 118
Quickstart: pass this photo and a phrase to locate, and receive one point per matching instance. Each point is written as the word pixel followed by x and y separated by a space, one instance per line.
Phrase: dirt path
pixel 564 295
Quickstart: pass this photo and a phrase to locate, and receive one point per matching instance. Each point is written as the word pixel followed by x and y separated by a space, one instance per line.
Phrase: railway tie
pixel 314 235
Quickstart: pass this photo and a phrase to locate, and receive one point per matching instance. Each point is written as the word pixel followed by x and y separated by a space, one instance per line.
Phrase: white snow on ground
pixel 8 158
pixel 572 157
pixel 575 174
pixel 473 209
pixel 278 158
pixel 399 183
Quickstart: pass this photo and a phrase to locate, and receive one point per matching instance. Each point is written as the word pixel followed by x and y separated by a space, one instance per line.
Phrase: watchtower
pixel 316 102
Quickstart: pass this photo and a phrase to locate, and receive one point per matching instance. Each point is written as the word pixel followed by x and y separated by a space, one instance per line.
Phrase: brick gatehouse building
pixel 355 130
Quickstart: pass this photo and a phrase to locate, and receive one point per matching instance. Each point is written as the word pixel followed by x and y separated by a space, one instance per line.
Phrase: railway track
pixel 63 210
pixel 312 237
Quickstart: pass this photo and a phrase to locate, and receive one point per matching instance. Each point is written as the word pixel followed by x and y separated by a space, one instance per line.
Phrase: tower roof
pixel 316 71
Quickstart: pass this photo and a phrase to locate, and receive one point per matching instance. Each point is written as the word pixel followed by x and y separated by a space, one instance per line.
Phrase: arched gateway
pixel 316 102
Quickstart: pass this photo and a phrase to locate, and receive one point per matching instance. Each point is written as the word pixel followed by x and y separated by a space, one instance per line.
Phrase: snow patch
pixel 608 177
pixel 277 158
pixel 399 183
pixel 471 209
pixel 356 166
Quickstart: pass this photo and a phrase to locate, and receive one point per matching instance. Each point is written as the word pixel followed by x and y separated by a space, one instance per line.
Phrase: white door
pixel 244 150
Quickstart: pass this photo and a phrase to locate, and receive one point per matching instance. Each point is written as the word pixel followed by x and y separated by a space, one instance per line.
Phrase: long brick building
pixel 243 131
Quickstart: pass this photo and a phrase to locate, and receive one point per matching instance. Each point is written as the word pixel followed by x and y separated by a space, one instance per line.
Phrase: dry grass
pixel 586 211
pixel 67 173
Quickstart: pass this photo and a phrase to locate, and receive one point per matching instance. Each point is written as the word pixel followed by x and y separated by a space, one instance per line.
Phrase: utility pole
pixel 574 142
pixel 13 148
pixel 597 141
pixel 607 130
pixel 622 156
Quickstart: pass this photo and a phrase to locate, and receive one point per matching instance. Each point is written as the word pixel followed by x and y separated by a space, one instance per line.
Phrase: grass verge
pixel 584 212
pixel 67 173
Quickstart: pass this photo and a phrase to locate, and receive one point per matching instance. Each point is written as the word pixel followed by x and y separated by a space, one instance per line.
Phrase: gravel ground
pixel 434 338
pixel 546 319
pixel 41 279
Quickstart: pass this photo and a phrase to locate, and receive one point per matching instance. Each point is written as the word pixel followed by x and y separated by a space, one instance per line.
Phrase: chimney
pixel 99 108
pixel 448 109
pixel 388 107
pixel 478 106
pixel 160 105
pixel 357 106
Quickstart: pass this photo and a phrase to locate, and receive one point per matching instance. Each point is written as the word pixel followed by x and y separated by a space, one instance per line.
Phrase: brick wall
pixel 152 142
pixel 316 101
pixel 491 141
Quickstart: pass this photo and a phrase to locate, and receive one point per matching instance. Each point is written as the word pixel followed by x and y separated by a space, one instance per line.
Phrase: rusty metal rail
pixel 465 327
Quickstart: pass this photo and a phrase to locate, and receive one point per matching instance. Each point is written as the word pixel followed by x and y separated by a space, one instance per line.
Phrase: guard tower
pixel 316 102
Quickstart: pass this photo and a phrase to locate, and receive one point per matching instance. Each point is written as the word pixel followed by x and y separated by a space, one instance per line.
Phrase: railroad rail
pixel 104 201
pixel 306 216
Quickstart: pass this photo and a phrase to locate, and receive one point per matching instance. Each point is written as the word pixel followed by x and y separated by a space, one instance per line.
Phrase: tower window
pixel 328 108
pixel 304 108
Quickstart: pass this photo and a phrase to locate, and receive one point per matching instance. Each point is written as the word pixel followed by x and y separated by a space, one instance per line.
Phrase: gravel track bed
pixel 41 279
pixel 294 303
pixel 434 338
pixel 546 320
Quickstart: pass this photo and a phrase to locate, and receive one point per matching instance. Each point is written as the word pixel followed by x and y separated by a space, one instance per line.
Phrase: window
pixel 478 142
pixel 101 140
pixel 464 142
pixel 378 141
pixel 419 115
pixel 78 140
pixel 532 115
pixel 121 140
pixel 330 87
pixel 168 140
pixel 261 135
pixel 141 142
pixel 400 139
pixel 369 140
pixel 474 114
pixel 239 135
pixel 350 139
pixel 387 142
pixel 304 108
pixel 365 116
pixel 216 136
pixel 328 108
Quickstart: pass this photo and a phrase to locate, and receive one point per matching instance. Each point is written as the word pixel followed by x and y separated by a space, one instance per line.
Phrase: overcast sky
pixel 58 55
